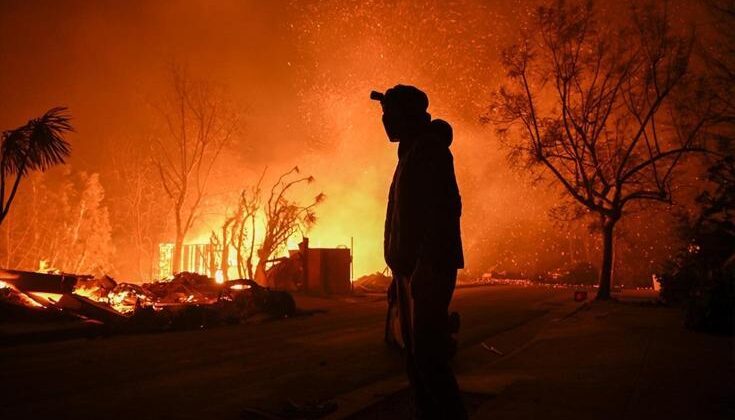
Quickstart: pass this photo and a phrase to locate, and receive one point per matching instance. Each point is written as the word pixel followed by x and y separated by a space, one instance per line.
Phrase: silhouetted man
pixel 423 247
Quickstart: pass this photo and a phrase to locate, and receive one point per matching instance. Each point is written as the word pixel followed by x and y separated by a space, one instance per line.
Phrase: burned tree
pixel 702 274
pixel 139 209
pixel 718 53
pixel 198 123
pixel 35 146
pixel 250 203
pixel 237 233
pixel 59 222
pixel 220 242
pixel 599 107
pixel 283 218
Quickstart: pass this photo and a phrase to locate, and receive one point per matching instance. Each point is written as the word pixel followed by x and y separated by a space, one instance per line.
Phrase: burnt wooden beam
pixel 29 281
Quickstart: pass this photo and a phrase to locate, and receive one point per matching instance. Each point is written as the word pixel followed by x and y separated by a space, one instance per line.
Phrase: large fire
pixel 300 90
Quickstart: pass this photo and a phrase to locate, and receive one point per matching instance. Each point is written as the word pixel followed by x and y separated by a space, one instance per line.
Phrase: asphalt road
pixel 215 373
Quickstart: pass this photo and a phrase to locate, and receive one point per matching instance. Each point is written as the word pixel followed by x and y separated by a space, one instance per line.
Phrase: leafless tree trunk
pixel 237 230
pixel 198 124
pixel 227 240
pixel 139 210
pixel 250 204
pixel 601 107
pixel 283 218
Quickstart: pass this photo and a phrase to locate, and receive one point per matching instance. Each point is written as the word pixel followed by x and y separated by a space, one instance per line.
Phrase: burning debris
pixel 189 300
pixel 125 297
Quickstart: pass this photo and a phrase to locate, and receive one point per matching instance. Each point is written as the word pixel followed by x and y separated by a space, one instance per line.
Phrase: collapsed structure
pixel 324 271
pixel 187 301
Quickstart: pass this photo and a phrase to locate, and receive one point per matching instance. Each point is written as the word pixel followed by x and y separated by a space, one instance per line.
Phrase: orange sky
pixel 300 72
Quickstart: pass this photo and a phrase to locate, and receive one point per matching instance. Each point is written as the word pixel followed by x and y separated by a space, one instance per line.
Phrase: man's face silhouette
pixel 394 123
pixel 404 111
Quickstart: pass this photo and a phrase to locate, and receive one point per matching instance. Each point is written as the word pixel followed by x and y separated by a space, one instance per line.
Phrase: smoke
pixel 299 73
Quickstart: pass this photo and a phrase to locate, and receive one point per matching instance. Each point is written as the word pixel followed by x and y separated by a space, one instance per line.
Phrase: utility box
pixel 328 271
pixel 323 271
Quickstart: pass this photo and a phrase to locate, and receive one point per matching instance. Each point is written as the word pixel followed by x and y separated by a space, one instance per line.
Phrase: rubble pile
pixel 189 300
pixel 373 283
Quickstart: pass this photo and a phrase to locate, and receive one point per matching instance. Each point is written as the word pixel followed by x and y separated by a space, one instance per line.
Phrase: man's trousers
pixel 423 302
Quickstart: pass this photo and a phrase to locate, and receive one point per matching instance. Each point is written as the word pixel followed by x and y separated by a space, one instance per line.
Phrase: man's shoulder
pixel 434 152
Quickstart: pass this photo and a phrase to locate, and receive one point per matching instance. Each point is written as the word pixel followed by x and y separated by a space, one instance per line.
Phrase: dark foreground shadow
pixel 396 406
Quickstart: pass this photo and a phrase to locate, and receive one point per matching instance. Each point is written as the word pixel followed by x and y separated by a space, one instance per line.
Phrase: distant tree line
pixel 59 221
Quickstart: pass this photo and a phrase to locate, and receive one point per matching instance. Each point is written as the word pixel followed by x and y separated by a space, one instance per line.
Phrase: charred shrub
pixel 702 276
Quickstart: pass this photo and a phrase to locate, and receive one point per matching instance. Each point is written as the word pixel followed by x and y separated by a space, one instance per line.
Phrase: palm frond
pixel 47 146
pixel 38 144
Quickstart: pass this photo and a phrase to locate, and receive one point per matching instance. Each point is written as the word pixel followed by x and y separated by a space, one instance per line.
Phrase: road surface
pixel 216 373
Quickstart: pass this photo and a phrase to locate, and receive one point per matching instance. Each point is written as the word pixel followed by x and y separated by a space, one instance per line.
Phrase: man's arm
pixel 388 223
pixel 435 198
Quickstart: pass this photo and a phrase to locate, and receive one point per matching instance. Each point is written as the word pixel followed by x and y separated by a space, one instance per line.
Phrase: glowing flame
pixel 26 299
pixel 219 277
pixel 51 297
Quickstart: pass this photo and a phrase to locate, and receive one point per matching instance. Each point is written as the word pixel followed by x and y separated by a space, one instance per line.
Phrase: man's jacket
pixel 424 205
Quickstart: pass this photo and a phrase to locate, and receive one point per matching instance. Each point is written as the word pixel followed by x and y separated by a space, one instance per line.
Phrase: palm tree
pixel 35 146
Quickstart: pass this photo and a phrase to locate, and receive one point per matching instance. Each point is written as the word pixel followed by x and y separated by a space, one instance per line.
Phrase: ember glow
pixel 297 75
pixel 195 219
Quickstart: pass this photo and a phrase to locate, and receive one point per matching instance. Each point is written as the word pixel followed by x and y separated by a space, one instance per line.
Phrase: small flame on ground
pixel 51 297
